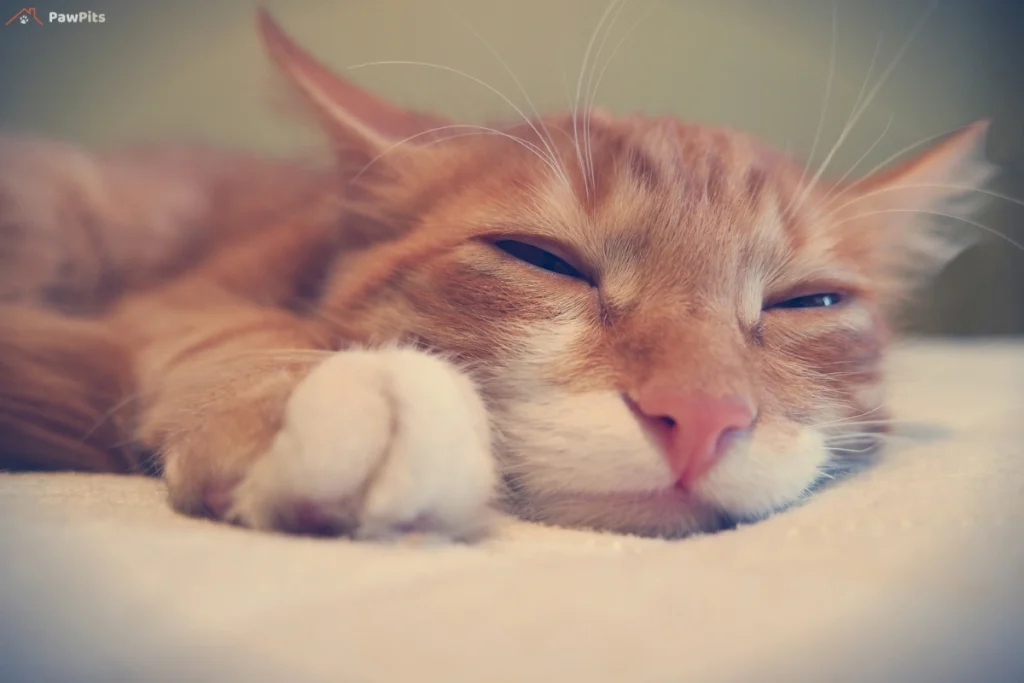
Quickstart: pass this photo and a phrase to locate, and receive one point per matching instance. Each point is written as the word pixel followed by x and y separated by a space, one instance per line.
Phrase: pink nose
pixel 695 429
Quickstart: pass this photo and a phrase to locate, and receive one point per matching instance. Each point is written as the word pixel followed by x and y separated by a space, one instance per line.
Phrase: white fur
pixel 382 439
pixel 582 443
pixel 766 472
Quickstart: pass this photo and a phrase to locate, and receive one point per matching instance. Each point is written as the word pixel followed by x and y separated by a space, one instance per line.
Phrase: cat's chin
pixel 665 513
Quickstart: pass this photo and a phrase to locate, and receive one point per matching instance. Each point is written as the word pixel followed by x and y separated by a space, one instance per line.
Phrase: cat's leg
pixel 254 429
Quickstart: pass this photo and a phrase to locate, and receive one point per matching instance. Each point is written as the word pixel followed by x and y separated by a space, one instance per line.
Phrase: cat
pixel 630 324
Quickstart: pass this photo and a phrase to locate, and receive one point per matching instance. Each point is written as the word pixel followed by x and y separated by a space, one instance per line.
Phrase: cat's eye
pixel 822 300
pixel 540 258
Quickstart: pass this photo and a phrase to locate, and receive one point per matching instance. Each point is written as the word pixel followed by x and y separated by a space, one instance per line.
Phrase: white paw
pixel 375 443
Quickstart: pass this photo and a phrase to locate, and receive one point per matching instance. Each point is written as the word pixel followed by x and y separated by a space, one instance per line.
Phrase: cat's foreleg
pixel 370 442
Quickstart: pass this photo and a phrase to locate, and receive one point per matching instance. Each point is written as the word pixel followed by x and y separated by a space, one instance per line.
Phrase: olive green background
pixel 193 70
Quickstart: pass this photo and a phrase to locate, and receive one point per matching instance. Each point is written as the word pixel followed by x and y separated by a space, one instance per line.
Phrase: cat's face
pixel 654 286
pixel 672 324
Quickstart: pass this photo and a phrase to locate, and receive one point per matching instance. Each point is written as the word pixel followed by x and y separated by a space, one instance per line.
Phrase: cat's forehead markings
pixel 646 173
pixel 756 181
pixel 654 158
pixel 628 208
pixel 767 227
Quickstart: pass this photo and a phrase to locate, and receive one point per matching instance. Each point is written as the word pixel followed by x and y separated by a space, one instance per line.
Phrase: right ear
pixel 355 119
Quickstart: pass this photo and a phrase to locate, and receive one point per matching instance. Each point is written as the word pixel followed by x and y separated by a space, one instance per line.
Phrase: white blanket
pixel 911 571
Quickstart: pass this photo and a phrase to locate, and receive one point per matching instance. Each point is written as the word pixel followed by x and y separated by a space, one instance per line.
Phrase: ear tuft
pixel 911 220
pixel 353 117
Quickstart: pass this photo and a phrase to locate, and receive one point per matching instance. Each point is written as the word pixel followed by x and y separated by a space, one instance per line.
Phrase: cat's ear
pixel 356 119
pixel 908 221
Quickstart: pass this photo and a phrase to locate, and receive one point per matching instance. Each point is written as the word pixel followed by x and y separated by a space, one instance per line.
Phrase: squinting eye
pixel 811 301
pixel 540 258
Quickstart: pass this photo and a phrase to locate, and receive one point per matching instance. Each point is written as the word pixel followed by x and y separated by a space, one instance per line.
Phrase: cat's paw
pixel 375 443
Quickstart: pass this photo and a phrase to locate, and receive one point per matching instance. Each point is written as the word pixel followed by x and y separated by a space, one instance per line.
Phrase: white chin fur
pixel 584 460
pixel 767 472
pixel 580 443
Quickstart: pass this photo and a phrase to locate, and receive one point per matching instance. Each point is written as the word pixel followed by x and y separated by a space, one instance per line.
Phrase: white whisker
pixel 485 131
pixel 588 100
pixel 924 186
pixel 579 87
pixel 479 130
pixel 838 183
pixel 402 62
pixel 860 440
pixel 824 105
pixel 866 449
pixel 859 111
pixel 847 420
pixel 846 436
pixel 546 138
pixel 655 4
pixel 867 77
pixel 109 414
pixel 938 214
pixel 889 159
pixel 574 138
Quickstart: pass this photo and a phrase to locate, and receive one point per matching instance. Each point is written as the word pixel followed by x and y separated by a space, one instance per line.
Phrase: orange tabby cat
pixel 624 323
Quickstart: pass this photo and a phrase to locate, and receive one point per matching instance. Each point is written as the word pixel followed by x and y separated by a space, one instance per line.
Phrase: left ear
pixel 906 223
pixel 357 120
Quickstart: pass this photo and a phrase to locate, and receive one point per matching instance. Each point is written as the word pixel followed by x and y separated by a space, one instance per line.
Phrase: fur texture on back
pixel 628 323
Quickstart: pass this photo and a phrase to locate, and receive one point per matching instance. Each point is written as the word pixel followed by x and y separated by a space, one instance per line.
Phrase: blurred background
pixel 193 70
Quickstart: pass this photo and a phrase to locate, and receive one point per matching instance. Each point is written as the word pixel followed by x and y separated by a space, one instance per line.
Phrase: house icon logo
pixel 24 16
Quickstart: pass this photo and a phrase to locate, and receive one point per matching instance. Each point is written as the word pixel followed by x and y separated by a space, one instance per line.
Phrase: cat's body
pixel 631 324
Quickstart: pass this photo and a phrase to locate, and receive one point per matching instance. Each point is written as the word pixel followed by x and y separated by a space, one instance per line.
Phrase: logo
pixel 77 18
pixel 24 16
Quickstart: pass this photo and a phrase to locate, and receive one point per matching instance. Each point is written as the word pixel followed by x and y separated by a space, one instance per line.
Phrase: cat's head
pixel 673 325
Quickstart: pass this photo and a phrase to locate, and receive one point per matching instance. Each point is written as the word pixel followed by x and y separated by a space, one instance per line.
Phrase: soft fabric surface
pixel 910 571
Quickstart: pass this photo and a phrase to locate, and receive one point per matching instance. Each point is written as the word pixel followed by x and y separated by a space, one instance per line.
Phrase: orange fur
pixel 214 283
